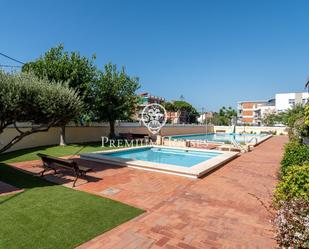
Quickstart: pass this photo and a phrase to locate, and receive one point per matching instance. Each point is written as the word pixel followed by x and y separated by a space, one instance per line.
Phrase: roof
pixel 253 101
pixel 293 93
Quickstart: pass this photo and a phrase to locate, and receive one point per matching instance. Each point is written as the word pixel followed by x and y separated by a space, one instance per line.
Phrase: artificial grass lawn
pixel 30 154
pixel 51 216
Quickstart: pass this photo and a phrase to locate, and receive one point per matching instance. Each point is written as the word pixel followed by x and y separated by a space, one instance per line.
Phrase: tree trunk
pixel 62 136
pixel 11 143
pixel 21 135
pixel 112 129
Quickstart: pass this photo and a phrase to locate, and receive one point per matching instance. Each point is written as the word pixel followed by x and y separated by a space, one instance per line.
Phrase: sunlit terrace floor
pixel 221 210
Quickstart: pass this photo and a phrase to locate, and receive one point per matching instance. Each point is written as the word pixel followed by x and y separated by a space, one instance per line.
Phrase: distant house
pixel 252 112
pixel 177 117
pixel 144 100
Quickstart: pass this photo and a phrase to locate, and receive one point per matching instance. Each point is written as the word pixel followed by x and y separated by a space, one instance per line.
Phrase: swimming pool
pixel 178 157
pixel 222 137
pixel 178 161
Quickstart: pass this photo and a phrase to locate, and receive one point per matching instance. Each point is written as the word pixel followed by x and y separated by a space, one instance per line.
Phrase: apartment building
pixel 177 117
pixel 173 117
pixel 252 112
pixel 146 99
pixel 285 101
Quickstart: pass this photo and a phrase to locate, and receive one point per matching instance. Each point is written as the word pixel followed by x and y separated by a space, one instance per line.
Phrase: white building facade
pixel 285 101
pixel 253 112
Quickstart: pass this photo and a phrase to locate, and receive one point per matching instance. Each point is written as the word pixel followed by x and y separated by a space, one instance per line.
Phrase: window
pixel 304 101
pixel 292 102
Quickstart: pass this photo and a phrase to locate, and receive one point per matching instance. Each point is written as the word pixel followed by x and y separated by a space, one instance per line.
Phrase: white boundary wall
pixel 94 132
pixel 90 133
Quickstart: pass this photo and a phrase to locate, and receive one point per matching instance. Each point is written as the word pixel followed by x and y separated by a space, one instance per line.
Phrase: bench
pixel 53 163
pixel 220 131
pixel 127 136
pixel 134 136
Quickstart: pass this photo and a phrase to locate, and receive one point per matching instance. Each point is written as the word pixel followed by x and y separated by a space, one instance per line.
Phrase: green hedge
pixel 291 197
pixel 294 184
pixel 295 154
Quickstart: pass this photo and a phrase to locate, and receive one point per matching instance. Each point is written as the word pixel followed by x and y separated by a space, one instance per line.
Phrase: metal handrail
pixel 237 145
pixel 256 140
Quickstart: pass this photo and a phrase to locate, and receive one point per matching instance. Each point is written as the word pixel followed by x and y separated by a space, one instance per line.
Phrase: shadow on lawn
pixel 27 180
pixel 9 197
pixel 20 180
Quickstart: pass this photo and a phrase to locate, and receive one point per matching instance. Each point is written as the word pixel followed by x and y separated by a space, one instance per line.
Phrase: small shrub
pixel 307 114
pixel 295 154
pixel 294 184
pixel 292 222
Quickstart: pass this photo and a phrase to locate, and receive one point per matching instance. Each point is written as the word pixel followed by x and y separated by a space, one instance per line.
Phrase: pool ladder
pixel 253 138
pixel 239 146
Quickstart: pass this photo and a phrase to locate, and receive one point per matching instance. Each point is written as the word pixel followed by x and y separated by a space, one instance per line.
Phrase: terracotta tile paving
pixel 221 210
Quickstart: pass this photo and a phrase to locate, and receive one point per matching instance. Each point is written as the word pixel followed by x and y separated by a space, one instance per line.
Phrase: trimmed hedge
pixel 295 154
pixel 291 198
pixel 294 184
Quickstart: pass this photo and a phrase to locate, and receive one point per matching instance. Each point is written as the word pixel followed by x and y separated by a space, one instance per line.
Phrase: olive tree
pixel 26 98
pixel 58 65
pixel 114 96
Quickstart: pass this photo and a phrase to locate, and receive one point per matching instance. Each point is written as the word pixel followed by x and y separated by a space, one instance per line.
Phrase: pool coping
pixel 259 141
pixel 195 171
pixel 264 139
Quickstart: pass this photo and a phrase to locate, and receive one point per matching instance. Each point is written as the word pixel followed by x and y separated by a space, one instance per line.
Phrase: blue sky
pixel 214 53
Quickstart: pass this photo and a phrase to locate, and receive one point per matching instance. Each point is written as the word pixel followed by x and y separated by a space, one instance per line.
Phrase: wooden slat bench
pixel 54 163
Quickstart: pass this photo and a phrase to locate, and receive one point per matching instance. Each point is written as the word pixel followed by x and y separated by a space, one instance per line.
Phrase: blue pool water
pixel 179 157
pixel 221 137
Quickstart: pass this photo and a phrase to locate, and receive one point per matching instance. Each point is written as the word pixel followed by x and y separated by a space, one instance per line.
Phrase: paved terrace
pixel 221 210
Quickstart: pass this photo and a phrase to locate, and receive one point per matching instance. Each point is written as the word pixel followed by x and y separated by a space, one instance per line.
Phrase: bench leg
pixel 46 169
pixel 75 181
pixel 79 175
pixel 42 173
pixel 76 177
